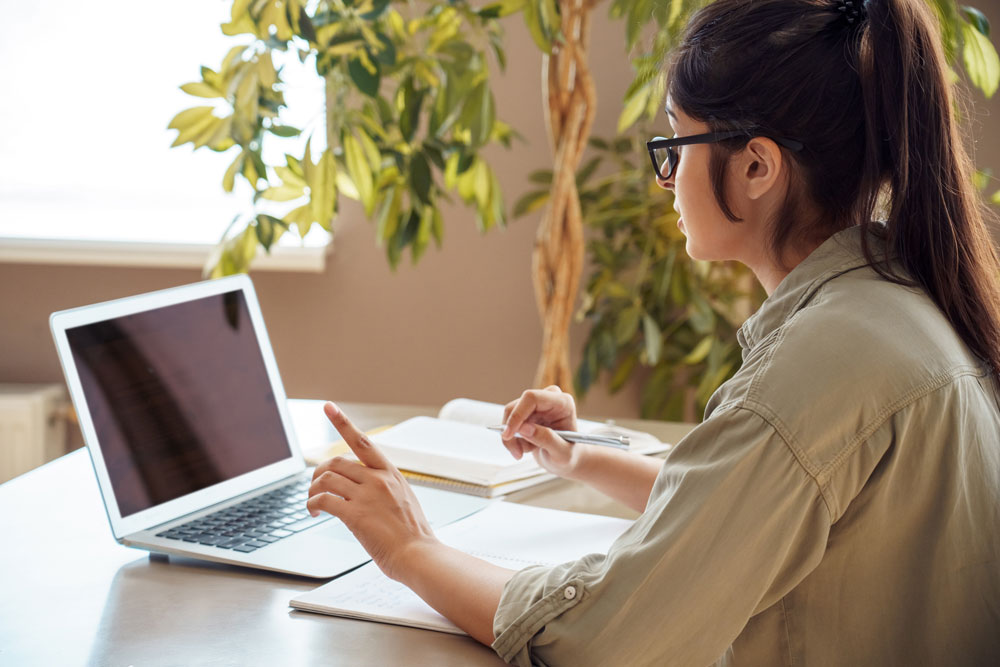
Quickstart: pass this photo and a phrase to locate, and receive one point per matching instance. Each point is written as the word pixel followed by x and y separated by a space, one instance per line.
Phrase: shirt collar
pixel 837 255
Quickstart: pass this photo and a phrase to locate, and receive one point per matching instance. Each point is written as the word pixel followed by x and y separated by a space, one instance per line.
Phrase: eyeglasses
pixel 662 151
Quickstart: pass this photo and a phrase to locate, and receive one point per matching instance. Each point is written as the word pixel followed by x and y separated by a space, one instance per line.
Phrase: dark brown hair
pixel 872 104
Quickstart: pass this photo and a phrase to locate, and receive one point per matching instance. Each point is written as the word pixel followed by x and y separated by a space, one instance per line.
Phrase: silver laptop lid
pixel 179 399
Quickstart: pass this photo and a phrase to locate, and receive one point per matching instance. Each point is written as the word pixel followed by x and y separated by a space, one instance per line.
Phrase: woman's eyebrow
pixel 670 112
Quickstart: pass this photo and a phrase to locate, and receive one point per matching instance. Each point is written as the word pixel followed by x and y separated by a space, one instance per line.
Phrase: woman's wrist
pixel 583 462
pixel 407 559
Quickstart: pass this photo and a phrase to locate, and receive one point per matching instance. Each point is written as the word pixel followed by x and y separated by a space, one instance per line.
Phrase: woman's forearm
pixel 462 588
pixel 628 478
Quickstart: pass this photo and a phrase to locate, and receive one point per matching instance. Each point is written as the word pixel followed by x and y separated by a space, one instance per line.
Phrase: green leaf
pixel 323 19
pixel 364 78
pixel 530 202
pixel 598 143
pixel 388 217
pixel 627 324
pixel 301 217
pixel 549 18
pixel 981 60
pixel 701 350
pixel 189 117
pixel 633 110
pixel 258 164
pixel 977 19
pixel 995 199
pixel 710 382
pixel 437 227
pixel 501 9
pixel 981 178
pixel 387 54
pixel 344 43
pixel 269 229
pixel 229 179
pixel 622 373
pixel 289 175
pixel 587 171
pixel 420 178
pixel 541 176
pixel 284 131
pixel 533 19
pixel 424 231
pixel 481 184
pixel 658 391
pixel 378 8
pixel 700 315
pixel 324 193
pixel 409 112
pixel 201 89
pixel 675 12
pixel 361 175
pixel 653 338
pixel 478 114
pixel 372 152
pixel 283 193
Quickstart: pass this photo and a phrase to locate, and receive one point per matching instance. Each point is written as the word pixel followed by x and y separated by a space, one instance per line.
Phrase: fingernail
pixel 527 429
pixel 334 410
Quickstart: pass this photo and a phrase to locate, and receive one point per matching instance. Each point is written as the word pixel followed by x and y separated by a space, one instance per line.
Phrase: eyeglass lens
pixel 666 158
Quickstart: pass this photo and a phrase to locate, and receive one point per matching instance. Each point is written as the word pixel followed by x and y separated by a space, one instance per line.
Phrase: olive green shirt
pixel 839 505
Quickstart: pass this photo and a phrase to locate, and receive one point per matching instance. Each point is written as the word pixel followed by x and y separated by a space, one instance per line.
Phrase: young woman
pixel 840 503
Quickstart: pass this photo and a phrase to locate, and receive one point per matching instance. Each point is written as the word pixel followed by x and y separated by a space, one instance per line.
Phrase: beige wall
pixel 461 323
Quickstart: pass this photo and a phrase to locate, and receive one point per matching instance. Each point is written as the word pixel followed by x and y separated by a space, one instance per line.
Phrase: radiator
pixel 32 426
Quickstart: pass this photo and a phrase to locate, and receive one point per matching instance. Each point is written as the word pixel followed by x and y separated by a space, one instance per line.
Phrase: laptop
pixel 184 415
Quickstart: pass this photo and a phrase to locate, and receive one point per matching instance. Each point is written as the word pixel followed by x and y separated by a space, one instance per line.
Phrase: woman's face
pixel 710 234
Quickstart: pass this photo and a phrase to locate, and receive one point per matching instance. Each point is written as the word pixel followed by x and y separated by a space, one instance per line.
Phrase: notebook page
pixel 481 413
pixel 506 534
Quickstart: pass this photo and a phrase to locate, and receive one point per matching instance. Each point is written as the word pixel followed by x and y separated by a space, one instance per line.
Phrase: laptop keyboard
pixel 254 523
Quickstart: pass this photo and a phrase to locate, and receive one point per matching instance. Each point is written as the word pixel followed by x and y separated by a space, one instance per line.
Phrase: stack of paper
pixel 463 452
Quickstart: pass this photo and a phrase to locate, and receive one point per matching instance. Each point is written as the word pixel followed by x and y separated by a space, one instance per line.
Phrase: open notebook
pixel 506 534
pixel 455 451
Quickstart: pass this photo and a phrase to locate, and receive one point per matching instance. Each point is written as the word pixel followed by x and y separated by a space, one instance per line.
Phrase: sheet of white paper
pixel 509 535
pixel 481 413
pixel 439 437
pixel 471 411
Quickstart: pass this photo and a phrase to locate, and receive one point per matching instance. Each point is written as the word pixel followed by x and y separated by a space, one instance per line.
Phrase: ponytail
pixel 935 225
pixel 864 86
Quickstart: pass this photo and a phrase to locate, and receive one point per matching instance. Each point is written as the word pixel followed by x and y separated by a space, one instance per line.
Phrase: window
pixel 87 173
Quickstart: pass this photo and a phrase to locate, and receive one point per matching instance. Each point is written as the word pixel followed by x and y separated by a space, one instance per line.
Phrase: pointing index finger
pixel 360 444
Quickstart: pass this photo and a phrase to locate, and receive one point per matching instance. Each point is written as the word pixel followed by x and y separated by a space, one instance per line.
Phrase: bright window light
pixel 88 92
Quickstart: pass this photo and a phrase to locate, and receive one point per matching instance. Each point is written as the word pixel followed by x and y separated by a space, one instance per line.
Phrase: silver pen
pixel 618 441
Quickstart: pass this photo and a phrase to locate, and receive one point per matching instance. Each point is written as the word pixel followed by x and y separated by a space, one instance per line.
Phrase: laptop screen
pixel 179 397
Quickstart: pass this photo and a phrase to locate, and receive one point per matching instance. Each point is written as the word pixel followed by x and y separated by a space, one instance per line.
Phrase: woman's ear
pixel 761 167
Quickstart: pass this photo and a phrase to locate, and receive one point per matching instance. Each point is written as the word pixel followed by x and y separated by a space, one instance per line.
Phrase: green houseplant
pixel 408 111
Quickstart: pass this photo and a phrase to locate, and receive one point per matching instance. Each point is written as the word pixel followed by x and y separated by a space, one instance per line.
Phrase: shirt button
pixel 570 592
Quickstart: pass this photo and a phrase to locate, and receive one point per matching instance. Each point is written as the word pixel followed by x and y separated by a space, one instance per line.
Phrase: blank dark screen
pixel 179 397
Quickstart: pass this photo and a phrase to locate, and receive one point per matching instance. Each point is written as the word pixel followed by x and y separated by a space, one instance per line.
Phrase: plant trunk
pixel 557 262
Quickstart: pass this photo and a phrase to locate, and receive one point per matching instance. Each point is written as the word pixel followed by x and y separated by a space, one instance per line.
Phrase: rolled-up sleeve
pixel 734 522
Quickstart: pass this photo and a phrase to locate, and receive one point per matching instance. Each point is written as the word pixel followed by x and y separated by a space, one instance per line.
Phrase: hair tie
pixel 853 11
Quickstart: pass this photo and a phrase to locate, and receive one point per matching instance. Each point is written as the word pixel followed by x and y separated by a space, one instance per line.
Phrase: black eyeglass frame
pixel 659 143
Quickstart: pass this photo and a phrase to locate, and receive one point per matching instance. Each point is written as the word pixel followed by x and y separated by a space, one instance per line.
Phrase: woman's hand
pixel 534 416
pixel 373 500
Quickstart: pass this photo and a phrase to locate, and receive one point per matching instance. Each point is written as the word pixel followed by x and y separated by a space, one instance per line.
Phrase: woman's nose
pixel 666 184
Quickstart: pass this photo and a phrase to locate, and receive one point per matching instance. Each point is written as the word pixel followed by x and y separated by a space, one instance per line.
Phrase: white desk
pixel 71 595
